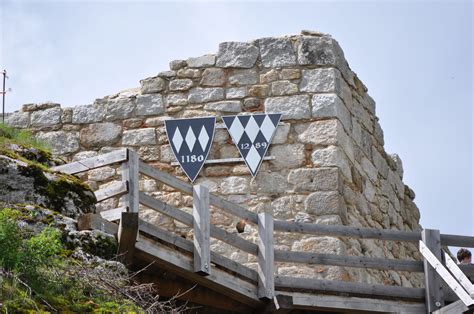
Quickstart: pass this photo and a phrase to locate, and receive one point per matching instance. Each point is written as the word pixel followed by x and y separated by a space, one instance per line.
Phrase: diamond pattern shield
pixel 191 141
pixel 252 134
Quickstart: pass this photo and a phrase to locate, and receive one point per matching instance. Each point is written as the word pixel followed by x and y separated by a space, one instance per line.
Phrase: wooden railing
pixel 264 278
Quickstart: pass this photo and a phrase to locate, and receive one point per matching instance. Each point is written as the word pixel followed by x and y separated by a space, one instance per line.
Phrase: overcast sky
pixel 414 56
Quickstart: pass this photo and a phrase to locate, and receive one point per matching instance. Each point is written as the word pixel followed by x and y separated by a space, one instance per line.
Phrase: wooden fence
pixel 264 278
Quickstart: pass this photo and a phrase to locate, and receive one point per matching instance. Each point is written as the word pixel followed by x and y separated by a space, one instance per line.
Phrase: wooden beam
pixel 93 162
pixel 233 208
pixel 457 240
pixel 225 160
pixel 114 189
pixel 113 214
pixel 348 261
pixel 127 236
pixel 348 287
pixel 130 175
pixel 92 221
pixel 201 227
pixel 458 274
pixel 434 288
pixel 266 284
pixel 346 231
pixel 453 308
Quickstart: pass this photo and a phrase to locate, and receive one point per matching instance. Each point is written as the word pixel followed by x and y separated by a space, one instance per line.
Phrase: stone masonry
pixel 330 166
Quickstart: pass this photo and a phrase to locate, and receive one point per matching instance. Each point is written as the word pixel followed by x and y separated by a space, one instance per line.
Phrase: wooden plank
pixel 187 245
pixel 315 302
pixel 346 231
pixel 201 227
pixel 115 189
pixel 457 240
pixel 266 284
pixel 233 208
pixel 113 214
pixel 165 178
pixel 127 236
pixel 187 219
pixel 130 175
pixel 92 221
pixel 93 162
pixel 349 287
pixel 458 274
pixel 182 265
pixel 225 160
pixel 453 308
pixel 348 261
pixel 438 267
pixel 434 288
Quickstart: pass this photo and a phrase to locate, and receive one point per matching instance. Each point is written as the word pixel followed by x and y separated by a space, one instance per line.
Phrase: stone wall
pixel 330 166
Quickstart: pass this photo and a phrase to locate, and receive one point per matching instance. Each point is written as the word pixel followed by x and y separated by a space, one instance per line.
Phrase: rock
pixel 178 99
pixel 235 185
pixel 331 106
pixel 139 137
pixel 200 95
pixel 272 183
pixel 35 107
pixel 236 92
pixel 290 74
pixel 325 203
pixel 180 84
pixel 149 153
pixel 101 174
pixel 319 51
pixel 202 61
pixel 45 118
pixel 243 77
pixel 329 220
pixel 100 134
pixel 88 114
pixel 269 76
pixel 84 154
pixel 322 132
pixel 148 105
pixel 251 103
pixel 152 85
pixel 332 156
pixel 325 80
pixel 281 88
pixel 133 123
pixel 61 142
pixel 399 164
pixel 213 77
pixel 18 119
pixel 281 134
pixel 119 109
pixel 316 179
pixel 167 75
pixel 288 155
pixel 177 64
pixel 380 163
pixel 224 106
pixel 276 52
pixel 236 55
pixel 369 169
pixel 66 115
pixel 292 107
pixel 322 245
pixel 259 91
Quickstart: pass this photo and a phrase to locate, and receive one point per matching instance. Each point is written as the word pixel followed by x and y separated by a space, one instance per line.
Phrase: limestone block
pixel 332 156
pixel 152 85
pixel 243 77
pixel 66 115
pixel 259 91
pixel 285 207
pixel 61 142
pixel 213 77
pixel 100 134
pixel 180 84
pixel 363 116
pixel 331 106
pixel 290 74
pixel 166 153
pixel 281 88
pixel 42 106
pixel 325 80
pixel 281 134
pixel 322 132
pixel 236 55
pixel 148 105
pixel 380 162
pixel 269 183
pixel 319 51
pixel 149 153
pixel 325 203
pixel 177 64
pixel 101 174
pixel 322 245
pixel 292 107
pixel 119 109
pixel 84 154
pixel 139 137
pixel 167 75
pixel 315 179
pixel 18 119
pixel 369 169
pixel 44 118
pixel 235 185
pixel 236 92
pixel 398 162
pixel 329 220
pixel 200 95
pixel 276 52
pixel 224 106
pixel 133 123
pixel 148 185
pixel 188 73
pixel 269 76
pixel 251 103
pixel 178 99
pixel 88 114
pixel 288 156
pixel 202 61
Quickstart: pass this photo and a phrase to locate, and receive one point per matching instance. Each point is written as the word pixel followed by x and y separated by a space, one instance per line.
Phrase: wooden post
pixel 433 284
pixel 266 280
pixel 128 228
pixel 201 225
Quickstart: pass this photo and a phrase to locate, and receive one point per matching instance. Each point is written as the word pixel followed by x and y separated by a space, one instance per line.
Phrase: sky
pixel 415 57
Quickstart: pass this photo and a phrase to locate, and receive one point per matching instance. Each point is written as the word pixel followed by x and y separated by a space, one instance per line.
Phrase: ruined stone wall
pixel 330 166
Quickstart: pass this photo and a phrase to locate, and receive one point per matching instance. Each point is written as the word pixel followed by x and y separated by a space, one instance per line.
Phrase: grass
pixel 24 138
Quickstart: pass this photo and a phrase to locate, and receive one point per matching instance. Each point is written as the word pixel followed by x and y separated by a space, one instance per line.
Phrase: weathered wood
pixel 434 288
pixel 349 287
pixel 115 189
pixel 321 302
pixel 348 261
pixel 457 240
pixel 233 208
pixel 454 308
pixel 130 173
pixel 266 284
pixel 346 231
pixel 113 214
pixel 165 178
pixel 187 245
pixel 458 274
pixel 201 227
pixel 182 265
pixel 127 236
pixel 435 264
pixel 187 219
pixel 92 221
pixel 225 160
pixel 93 162
pixel 468 270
